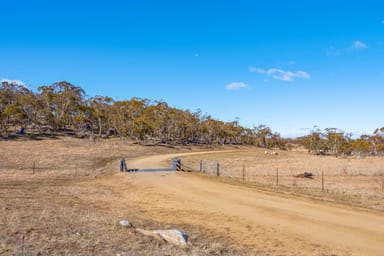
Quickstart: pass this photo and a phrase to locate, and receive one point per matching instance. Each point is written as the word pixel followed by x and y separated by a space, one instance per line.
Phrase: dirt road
pixel 269 223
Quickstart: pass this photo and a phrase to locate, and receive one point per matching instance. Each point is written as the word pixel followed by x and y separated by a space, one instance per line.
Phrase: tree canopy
pixel 64 107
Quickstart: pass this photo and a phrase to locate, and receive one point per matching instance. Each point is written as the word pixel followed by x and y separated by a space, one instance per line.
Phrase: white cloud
pixel 355 46
pixel 287 76
pixel 19 82
pixel 256 70
pixel 358 45
pixel 236 85
pixel 280 74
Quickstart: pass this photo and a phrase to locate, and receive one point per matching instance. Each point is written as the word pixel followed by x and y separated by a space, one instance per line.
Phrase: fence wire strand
pixel 352 180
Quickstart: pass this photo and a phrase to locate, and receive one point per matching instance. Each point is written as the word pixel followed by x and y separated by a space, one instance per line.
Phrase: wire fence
pixel 357 183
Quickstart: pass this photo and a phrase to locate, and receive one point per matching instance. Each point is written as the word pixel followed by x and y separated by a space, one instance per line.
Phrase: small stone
pixel 125 223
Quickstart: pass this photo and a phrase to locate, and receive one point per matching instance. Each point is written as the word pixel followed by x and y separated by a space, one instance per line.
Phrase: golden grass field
pixel 352 180
pixel 65 197
pixel 58 207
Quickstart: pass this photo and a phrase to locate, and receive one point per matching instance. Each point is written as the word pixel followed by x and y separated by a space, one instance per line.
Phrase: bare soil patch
pixel 357 181
pixel 264 223
pixel 60 207
pixel 71 205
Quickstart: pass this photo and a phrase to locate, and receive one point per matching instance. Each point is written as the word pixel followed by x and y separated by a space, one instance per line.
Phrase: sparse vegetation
pixel 350 180
pixel 53 203
pixel 72 202
pixel 61 210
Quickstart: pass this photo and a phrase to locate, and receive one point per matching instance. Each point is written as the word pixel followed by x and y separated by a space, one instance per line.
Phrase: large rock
pixel 173 236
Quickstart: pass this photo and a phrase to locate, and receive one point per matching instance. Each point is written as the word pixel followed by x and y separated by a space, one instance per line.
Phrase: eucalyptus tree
pixel 17 106
pixel 314 142
pixel 334 140
pixel 100 111
pixel 377 140
pixel 125 117
pixel 263 133
pixel 61 102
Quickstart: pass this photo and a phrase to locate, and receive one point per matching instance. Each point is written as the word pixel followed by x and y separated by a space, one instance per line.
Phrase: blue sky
pixel 287 64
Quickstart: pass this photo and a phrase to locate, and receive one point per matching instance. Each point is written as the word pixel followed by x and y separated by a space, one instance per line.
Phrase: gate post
pixel 123 166
pixel 177 164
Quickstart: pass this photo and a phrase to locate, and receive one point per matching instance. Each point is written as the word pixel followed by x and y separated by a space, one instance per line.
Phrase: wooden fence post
pixel 33 167
pixel 22 246
pixel 178 165
pixel 277 176
pixel 243 173
pixel 218 170
pixel 322 181
pixel 201 165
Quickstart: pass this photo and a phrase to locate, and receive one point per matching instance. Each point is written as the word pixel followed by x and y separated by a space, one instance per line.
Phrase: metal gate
pixel 175 167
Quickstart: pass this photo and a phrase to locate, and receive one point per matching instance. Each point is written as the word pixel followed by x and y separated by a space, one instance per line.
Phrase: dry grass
pixel 58 208
pixel 351 180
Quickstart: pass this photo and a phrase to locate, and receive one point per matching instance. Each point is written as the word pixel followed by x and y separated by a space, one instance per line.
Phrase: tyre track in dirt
pixel 280 225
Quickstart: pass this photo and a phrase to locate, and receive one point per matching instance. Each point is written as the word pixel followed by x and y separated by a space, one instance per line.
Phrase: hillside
pixel 66 196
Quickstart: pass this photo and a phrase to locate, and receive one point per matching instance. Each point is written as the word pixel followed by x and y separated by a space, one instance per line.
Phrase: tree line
pixel 64 107
pixel 332 141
